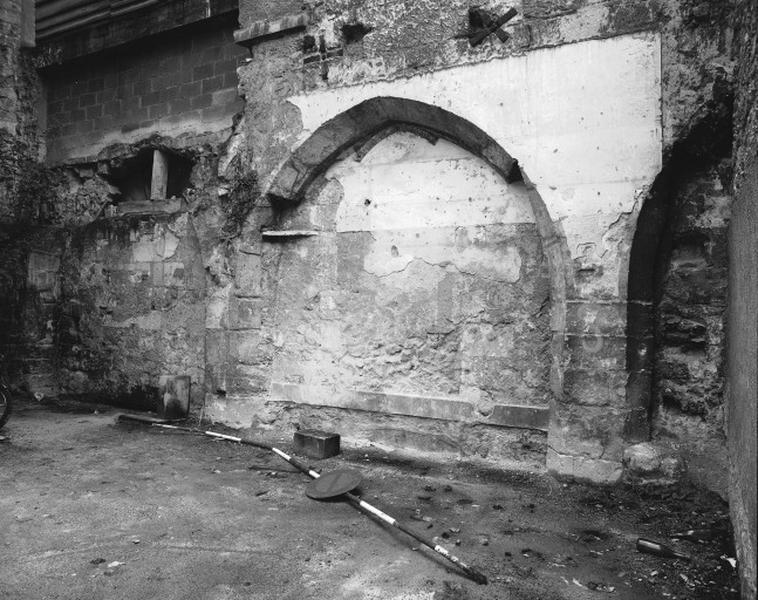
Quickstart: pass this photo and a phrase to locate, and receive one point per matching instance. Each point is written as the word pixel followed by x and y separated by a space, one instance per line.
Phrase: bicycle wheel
pixel 5 404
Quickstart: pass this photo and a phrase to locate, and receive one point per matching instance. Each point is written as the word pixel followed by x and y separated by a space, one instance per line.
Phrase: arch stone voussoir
pixel 364 120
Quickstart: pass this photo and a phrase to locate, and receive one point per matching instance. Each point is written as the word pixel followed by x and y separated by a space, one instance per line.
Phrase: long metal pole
pixel 362 505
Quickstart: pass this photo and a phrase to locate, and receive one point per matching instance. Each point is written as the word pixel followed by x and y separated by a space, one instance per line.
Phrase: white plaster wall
pixel 407 184
pixel 584 121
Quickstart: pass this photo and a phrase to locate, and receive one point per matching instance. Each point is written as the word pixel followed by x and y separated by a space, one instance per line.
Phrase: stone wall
pixel 323 78
pixel 132 309
pixel 691 323
pixel 354 52
pixel 19 98
pixel 129 299
pixel 580 110
pixel 425 283
pixel 29 294
pixel 742 340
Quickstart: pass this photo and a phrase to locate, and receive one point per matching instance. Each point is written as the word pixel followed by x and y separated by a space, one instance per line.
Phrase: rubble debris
pixel 700 535
pixel 728 559
pixel 600 587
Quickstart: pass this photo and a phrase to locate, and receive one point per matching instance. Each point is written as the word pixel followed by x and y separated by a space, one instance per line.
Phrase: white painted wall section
pixel 583 120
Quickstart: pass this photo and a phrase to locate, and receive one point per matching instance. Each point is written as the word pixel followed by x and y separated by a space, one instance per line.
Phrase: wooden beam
pixel 159 180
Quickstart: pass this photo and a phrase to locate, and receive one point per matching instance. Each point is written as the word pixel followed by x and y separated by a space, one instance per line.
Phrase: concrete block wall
pixel 179 82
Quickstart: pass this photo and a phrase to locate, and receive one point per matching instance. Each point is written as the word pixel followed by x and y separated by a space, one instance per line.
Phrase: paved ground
pixel 94 509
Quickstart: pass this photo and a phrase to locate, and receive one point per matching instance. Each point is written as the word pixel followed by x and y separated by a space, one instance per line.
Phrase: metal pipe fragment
pixel 473 573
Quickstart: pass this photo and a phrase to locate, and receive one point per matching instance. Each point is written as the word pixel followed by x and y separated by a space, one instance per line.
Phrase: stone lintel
pixel 446 409
pixel 282 234
pixel 260 30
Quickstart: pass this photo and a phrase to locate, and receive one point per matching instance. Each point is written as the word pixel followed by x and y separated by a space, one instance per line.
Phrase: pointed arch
pixel 364 123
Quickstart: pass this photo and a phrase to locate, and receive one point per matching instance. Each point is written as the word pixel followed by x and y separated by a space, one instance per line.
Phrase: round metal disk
pixel 333 484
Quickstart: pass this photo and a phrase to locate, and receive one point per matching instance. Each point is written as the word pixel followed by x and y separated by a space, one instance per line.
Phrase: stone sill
pixel 155 207
pixel 272 235
pixel 446 409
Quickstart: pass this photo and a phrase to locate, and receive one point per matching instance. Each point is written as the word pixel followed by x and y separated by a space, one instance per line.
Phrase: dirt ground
pixel 92 508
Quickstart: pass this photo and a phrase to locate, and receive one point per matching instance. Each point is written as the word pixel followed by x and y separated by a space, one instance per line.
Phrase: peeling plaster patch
pixel 484 258
pixel 407 182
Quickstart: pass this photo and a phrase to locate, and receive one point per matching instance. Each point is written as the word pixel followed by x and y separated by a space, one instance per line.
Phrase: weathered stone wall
pixel 742 340
pixel 132 309
pixel 19 135
pixel 690 323
pixel 314 79
pixel 10 45
pixel 129 302
pixel 425 282
pixel 29 294
pixel 28 288
pixel 591 97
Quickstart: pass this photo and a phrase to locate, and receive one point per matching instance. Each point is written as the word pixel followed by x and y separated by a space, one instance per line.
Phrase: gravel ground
pixel 93 508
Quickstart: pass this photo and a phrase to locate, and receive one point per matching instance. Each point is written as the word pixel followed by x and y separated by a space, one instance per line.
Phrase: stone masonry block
pixel 653 464
pixel 590 431
pixel 248 276
pixel 596 387
pixel 316 443
pixel 245 379
pixel 583 468
pixel 249 347
pixel 244 313
pixel 596 318
pixel 587 351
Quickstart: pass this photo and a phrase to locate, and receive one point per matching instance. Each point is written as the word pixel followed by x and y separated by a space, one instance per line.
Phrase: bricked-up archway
pixel 362 125
pixel 366 119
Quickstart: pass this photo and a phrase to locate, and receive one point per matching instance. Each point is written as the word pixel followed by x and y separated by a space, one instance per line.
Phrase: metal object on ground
pixel 473 573
pixel 656 549
pixel 142 419
pixel 316 443
pixel 333 484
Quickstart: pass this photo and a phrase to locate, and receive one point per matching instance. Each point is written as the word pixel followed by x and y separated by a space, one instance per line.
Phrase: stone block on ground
pixel 316 443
